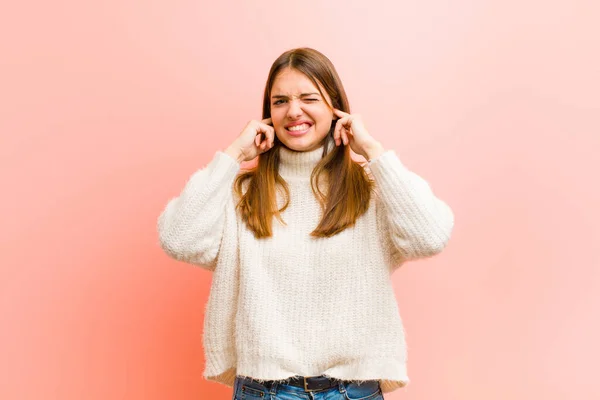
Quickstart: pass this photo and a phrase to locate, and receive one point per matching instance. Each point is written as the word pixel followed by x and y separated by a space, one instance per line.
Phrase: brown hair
pixel 349 189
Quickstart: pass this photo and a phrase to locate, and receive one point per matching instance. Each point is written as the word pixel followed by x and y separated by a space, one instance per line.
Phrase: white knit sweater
pixel 297 305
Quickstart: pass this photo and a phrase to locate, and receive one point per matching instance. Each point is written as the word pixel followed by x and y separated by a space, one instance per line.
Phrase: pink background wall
pixel 107 108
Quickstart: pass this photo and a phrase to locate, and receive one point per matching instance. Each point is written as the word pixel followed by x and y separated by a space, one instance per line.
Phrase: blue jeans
pixel 249 389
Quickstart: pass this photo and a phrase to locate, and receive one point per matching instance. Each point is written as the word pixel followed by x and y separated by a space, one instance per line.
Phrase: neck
pixel 301 163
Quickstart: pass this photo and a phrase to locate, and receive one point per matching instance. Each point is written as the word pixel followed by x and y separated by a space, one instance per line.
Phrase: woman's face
pixel 296 101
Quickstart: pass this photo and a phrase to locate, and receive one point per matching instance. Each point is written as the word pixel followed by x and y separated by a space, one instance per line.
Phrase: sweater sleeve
pixel 190 228
pixel 415 223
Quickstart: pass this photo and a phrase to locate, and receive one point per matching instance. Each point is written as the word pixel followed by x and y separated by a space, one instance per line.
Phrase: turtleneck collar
pixel 301 163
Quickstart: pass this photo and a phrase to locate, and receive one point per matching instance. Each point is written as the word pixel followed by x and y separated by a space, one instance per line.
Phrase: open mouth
pixel 298 129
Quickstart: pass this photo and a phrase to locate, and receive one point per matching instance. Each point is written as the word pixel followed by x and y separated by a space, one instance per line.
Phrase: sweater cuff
pixel 221 168
pixel 384 158
pixel 224 156
pixel 225 164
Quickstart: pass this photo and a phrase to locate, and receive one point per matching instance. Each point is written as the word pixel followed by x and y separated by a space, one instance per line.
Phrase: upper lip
pixel 298 123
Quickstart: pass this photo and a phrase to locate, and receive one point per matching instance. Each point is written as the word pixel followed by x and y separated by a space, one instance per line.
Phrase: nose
pixel 295 109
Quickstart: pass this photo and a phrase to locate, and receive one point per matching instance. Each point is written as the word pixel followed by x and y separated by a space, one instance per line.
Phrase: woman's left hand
pixel 350 129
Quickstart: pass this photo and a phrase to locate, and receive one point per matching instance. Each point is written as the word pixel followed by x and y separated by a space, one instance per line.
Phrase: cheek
pixel 325 119
pixel 277 119
pixel 325 115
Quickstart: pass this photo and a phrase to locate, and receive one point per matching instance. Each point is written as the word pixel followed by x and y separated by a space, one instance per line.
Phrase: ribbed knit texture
pixel 296 305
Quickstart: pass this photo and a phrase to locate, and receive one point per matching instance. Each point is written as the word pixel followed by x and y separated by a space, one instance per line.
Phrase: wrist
pixel 374 151
pixel 235 153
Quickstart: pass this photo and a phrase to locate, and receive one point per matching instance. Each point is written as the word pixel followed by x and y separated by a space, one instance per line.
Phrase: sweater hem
pixel 357 372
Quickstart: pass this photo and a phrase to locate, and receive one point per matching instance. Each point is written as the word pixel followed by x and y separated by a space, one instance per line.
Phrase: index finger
pixel 340 113
pixel 269 133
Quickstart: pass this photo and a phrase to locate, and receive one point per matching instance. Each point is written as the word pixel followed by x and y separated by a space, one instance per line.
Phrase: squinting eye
pixel 279 101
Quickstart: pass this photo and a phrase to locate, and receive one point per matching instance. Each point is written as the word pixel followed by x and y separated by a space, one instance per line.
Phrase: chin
pixel 302 143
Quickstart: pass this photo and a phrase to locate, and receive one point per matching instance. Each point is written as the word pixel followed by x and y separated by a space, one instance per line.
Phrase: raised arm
pixel 190 228
pixel 416 222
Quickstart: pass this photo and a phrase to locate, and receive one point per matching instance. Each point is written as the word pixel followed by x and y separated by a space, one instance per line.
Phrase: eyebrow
pixel 280 96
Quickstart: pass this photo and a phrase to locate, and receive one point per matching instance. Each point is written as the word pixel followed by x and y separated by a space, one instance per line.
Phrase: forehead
pixel 290 82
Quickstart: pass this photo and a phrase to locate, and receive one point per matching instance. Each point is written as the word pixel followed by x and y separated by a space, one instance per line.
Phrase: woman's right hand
pixel 256 138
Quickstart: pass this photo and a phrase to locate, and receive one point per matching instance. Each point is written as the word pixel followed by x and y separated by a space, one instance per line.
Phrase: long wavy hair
pixel 348 185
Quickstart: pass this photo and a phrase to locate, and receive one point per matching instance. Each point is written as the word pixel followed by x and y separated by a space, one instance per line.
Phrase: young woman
pixel 303 244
